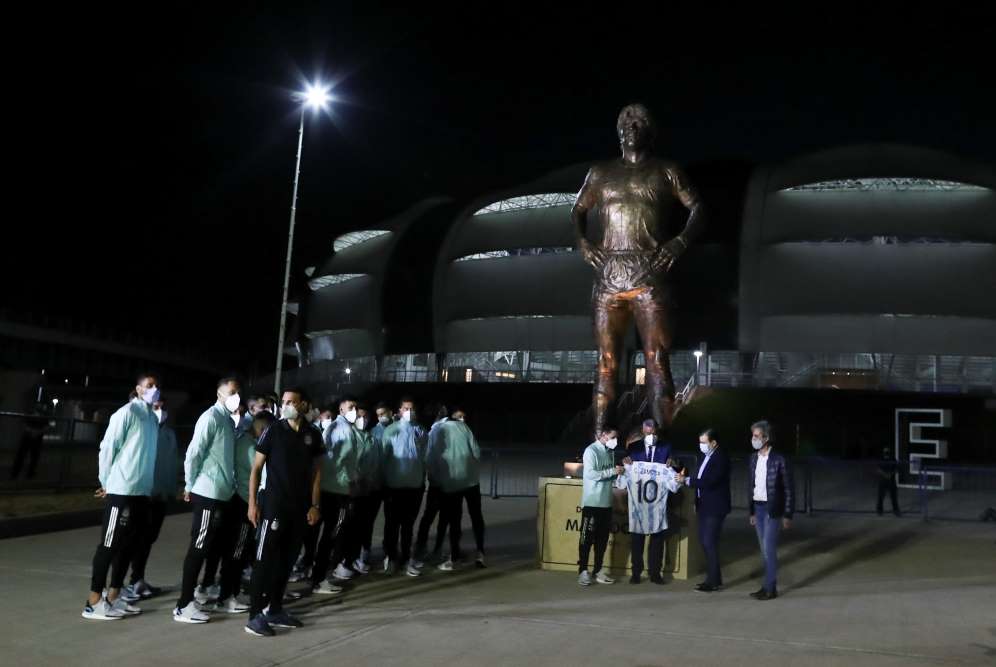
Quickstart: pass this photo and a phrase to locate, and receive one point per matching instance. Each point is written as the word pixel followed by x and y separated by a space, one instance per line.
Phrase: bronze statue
pixel 633 196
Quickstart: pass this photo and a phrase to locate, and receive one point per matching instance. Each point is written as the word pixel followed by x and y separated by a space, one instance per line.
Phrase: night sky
pixel 160 179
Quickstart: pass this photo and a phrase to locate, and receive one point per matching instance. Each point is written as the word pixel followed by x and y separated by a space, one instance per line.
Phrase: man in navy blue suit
pixel 651 448
pixel 712 504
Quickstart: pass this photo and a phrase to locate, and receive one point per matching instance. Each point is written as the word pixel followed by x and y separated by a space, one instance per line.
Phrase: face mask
pixel 648 440
pixel 351 416
pixel 232 402
pixel 361 422
pixel 757 443
pixel 407 415
pixel 288 412
pixel 611 444
pixel 385 420
pixel 704 447
pixel 161 414
pixel 326 423
pixel 151 395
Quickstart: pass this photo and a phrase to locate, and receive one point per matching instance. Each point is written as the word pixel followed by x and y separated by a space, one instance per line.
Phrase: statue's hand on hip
pixel 667 254
pixel 592 254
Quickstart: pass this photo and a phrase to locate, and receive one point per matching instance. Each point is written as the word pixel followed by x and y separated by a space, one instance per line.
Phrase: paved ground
pixel 855 591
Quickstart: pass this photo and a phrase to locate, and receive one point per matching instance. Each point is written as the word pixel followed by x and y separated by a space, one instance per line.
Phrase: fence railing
pixel 67 459
pixel 821 485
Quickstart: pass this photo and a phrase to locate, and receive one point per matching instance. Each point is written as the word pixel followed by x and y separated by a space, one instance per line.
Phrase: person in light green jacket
pixel 163 491
pixel 209 471
pixel 126 470
pixel 340 486
pixel 455 459
pixel 403 446
pixel 596 504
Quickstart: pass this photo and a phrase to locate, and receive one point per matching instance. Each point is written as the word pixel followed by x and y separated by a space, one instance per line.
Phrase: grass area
pixel 16 505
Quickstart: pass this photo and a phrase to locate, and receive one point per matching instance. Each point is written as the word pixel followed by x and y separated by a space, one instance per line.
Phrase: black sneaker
pixel 758 593
pixel 282 620
pixel 258 626
pixel 659 580
pixel 765 595
pixel 707 588
pixel 635 579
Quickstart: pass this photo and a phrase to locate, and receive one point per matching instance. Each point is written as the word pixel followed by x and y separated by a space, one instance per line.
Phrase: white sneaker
pixel 342 573
pixel 388 567
pixel 231 606
pixel 584 579
pixel 297 575
pixel 327 588
pixel 101 611
pixel 190 614
pixel 364 557
pixel 479 561
pixel 360 567
pixel 412 571
pixel 214 591
pixel 419 564
pixel 126 609
pixel 129 594
pixel 446 565
pixel 602 578
pixel 201 595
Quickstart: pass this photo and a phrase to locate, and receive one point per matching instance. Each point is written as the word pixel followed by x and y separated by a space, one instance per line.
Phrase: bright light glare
pixel 316 96
pixel 698 354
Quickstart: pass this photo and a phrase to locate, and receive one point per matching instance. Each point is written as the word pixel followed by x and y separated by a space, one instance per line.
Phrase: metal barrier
pixel 66 458
pixel 820 485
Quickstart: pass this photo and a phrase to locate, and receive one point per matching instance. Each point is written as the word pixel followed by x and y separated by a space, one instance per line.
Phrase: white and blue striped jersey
pixel 647 485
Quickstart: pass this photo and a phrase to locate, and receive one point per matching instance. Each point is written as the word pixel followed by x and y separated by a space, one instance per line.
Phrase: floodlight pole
pixel 287 264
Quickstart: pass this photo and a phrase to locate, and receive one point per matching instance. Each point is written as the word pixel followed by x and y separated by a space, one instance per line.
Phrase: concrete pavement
pixel 855 591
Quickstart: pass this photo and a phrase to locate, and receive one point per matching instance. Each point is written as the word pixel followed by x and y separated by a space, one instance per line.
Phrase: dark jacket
pixel 712 496
pixel 781 496
pixel 662 451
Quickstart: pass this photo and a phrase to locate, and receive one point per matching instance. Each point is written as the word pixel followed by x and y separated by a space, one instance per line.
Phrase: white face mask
pixel 648 440
pixel 161 415
pixel 232 402
pixel 151 395
pixel 704 447
pixel 361 423
pixel 351 416
pixel 757 443
pixel 288 412
pixel 325 423
pixel 611 444
pixel 385 420
pixel 407 415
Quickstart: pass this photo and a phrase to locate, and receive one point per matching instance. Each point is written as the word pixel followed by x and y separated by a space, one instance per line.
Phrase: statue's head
pixel 636 127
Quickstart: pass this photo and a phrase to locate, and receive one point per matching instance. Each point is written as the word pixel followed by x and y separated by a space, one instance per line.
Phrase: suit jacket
pixel 781 496
pixel 662 452
pixel 712 490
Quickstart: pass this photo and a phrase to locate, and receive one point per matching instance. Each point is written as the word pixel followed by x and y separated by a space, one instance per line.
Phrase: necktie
pixel 650 453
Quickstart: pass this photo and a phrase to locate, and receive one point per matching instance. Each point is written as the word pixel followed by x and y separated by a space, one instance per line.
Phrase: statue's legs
pixel 654 323
pixel 612 320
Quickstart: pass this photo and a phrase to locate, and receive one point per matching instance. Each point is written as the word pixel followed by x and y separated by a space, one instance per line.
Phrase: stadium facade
pixel 869 266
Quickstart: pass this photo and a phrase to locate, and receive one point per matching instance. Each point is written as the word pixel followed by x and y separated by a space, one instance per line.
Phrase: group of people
pixel 646 467
pixel 266 481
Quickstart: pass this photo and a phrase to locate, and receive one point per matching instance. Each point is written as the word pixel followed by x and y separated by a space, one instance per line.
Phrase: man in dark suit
pixel 771 502
pixel 651 448
pixel 712 504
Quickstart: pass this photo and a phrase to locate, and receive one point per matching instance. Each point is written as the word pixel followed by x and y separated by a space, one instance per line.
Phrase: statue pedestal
pixel 558 526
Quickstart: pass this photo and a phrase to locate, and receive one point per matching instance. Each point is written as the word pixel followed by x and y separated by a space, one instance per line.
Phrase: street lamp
pixel 698 358
pixel 316 97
